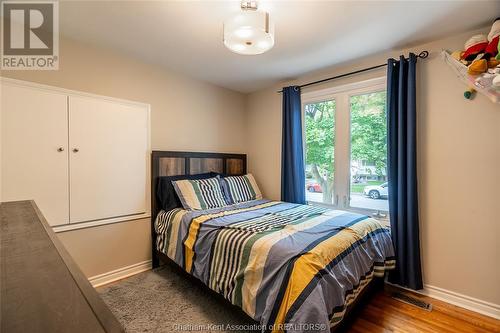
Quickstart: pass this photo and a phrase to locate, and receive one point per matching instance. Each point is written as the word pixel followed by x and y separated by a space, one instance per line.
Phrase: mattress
pixel 291 267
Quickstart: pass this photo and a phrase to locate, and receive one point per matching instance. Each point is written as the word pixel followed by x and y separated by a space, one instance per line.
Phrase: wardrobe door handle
pixel 60 149
pixel 76 150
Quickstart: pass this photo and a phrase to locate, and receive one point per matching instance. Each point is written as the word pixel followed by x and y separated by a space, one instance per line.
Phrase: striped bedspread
pixel 293 268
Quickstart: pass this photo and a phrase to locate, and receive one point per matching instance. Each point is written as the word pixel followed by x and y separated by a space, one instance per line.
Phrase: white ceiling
pixel 186 36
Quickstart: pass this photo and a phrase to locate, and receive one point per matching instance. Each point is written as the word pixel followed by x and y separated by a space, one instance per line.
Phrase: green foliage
pixel 320 136
pixel 369 129
pixel 320 141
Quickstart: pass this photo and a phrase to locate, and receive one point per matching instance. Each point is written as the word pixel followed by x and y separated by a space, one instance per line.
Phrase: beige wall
pixel 186 114
pixel 458 169
pixel 108 247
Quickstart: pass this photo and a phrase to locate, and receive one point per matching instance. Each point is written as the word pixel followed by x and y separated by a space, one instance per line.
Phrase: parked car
pixel 314 187
pixel 377 191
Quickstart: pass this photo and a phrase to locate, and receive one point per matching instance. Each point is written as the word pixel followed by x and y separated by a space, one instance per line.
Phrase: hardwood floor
pixel 381 313
pixel 139 302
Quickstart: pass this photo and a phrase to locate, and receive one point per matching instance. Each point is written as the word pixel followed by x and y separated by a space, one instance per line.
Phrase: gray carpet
pixel 166 300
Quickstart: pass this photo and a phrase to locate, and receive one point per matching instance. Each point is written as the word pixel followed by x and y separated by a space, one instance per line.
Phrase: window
pixel 368 182
pixel 319 125
pixel 345 135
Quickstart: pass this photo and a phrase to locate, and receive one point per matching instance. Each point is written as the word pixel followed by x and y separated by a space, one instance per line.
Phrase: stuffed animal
pixel 474 46
pixel 478 65
pixel 498 54
pixel 457 55
pixel 470 93
pixel 473 56
pixel 493 63
pixel 481 52
pixel 491 49
pixel 482 58
pixel 496 82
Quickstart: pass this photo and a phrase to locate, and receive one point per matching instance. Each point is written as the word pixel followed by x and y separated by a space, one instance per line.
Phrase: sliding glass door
pixel 345 139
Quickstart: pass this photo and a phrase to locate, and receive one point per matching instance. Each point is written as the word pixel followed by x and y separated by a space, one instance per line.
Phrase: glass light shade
pixel 250 32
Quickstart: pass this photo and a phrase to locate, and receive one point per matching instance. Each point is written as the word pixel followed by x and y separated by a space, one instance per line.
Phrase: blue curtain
pixel 293 180
pixel 402 170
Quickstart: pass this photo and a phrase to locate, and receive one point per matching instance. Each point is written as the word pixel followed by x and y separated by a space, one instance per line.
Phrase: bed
pixel 290 267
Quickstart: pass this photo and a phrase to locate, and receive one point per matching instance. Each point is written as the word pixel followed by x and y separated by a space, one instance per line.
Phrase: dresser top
pixel 41 287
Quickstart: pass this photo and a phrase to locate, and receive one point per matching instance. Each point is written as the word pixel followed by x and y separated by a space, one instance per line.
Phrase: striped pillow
pixel 241 188
pixel 200 193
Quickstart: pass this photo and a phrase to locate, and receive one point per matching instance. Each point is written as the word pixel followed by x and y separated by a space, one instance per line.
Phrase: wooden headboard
pixel 177 163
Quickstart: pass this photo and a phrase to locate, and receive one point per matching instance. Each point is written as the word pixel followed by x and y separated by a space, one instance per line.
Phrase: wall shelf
pixel 481 83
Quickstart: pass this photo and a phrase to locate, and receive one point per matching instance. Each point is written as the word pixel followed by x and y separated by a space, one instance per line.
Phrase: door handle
pixel 60 149
pixel 76 150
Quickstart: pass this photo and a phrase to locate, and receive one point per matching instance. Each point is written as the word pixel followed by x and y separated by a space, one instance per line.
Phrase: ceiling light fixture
pixel 250 32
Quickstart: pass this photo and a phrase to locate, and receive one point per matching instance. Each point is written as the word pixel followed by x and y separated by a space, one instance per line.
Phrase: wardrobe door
pixel 108 159
pixel 34 139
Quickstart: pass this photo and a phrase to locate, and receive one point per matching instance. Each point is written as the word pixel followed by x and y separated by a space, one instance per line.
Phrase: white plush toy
pixel 495 73
pixel 496 81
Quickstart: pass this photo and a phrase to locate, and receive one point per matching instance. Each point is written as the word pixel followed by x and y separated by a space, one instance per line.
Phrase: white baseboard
pixel 464 301
pixel 120 273
pixel 461 300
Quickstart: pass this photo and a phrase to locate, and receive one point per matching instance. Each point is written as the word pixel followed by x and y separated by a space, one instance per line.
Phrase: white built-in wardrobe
pixel 83 158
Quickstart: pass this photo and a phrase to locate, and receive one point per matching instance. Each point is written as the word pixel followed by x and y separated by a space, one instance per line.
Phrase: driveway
pixel 357 200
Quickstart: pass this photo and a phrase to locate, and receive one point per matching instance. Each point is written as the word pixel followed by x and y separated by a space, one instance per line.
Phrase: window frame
pixel 342 159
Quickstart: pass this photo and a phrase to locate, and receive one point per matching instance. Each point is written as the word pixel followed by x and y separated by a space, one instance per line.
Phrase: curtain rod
pixel 422 55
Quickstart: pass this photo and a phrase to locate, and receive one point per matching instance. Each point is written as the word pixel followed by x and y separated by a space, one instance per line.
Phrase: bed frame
pixel 177 163
pixel 174 163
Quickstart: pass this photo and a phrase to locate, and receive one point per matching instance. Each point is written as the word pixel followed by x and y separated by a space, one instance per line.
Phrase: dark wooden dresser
pixel 41 287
